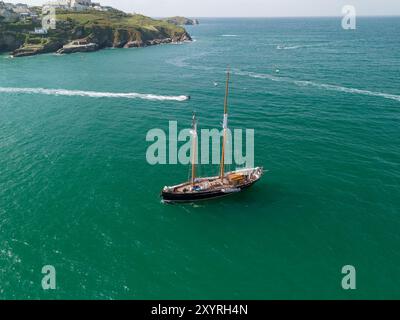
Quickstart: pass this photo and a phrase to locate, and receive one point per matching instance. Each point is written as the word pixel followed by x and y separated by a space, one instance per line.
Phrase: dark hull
pixel 199 196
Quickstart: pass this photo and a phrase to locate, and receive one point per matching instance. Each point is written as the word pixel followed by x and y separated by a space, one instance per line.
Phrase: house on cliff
pixel 78 5
pixel 7 14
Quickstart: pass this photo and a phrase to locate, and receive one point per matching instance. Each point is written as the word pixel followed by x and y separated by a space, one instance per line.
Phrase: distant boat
pixel 226 183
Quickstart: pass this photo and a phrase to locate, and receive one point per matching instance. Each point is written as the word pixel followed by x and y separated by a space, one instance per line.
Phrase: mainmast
pixel 194 148
pixel 225 126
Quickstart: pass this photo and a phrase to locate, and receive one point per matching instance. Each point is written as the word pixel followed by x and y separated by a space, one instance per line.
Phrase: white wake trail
pixel 348 90
pixel 92 94
pixel 329 87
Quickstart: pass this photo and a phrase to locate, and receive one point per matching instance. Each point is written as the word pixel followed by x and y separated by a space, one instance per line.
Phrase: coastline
pixel 87 31
pixel 73 47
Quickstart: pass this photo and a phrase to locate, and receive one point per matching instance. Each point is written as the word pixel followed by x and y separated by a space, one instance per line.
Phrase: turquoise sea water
pixel 77 193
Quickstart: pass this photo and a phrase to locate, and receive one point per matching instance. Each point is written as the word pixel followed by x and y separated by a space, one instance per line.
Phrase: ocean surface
pixel 76 191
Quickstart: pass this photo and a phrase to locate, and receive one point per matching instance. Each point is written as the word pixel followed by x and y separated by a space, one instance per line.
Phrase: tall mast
pixel 225 126
pixel 194 148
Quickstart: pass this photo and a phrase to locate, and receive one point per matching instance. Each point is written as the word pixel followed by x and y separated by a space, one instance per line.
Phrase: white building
pixel 78 5
pixel 60 4
pixel 86 3
pixel 21 8
pixel 40 31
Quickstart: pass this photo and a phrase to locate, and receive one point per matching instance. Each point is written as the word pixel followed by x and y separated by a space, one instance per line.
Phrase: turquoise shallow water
pixel 76 191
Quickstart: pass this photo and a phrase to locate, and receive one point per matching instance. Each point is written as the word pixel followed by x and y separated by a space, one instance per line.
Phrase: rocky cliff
pixel 182 21
pixel 89 31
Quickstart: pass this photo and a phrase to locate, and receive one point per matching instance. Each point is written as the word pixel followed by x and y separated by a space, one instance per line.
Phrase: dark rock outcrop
pixel 10 40
pixel 134 44
pixel 182 21
pixel 33 49
pixel 78 46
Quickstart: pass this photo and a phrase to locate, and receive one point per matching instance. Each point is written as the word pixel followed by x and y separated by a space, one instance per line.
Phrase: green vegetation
pixel 181 21
pixel 106 29
pixel 115 18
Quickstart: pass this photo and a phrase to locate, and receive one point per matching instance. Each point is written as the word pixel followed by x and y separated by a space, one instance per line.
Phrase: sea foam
pixel 92 94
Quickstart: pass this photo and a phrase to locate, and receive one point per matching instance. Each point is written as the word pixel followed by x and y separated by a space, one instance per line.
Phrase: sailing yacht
pixel 226 183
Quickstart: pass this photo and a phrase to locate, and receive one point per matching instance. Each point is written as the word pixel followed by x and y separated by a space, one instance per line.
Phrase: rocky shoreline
pixel 84 45
pixel 112 29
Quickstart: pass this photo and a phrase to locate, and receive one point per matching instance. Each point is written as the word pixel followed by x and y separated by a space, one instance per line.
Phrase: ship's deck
pixel 235 179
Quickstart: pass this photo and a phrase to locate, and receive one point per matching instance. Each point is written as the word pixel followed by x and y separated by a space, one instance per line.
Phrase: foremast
pixel 194 148
pixel 225 127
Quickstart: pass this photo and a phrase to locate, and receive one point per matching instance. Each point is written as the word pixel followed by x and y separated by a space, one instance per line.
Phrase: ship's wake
pixel 92 94
pixel 330 87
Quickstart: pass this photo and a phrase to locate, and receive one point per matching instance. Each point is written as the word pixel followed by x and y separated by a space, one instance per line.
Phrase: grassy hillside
pixel 106 29
pixel 116 19
pixel 181 21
